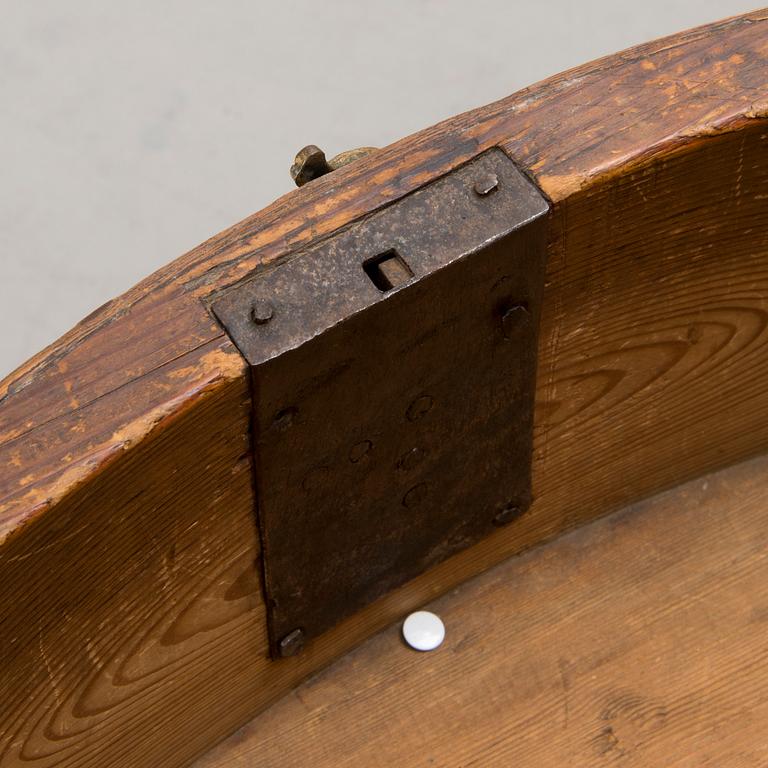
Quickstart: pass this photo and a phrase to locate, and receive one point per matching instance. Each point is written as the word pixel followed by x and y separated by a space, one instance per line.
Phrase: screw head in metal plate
pixel 285 418
pixel 292 643
pixel 507 515
pixel 415 496
pixel 485 184
pixel 419 407
pixel 359 451
pixel 515 320
pixel 262 312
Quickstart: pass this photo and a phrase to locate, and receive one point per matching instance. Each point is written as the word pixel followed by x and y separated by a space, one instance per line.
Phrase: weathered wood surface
pixel 130 615
pixel 638 640
pixel 570 132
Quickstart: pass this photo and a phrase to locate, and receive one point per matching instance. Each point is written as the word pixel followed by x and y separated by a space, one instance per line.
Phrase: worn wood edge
pixel 560 188
pixel 216 366
pixel 224 250
pixel 228 257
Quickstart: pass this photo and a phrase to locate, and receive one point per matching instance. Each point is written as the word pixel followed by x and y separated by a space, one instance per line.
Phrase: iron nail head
pixel 487 183
pixel 292 643
pixel 262 312
pixel 507 515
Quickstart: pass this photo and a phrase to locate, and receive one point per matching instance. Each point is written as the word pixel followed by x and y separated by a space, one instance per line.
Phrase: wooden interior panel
pixel 119 616
pixel 654 363
pixel 638 640
pixel 130 613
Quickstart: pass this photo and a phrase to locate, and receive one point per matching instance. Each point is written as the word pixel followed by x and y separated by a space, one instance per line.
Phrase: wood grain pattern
pixel 110 614
pixel 571 131
pixel 125 442
pixel 638 640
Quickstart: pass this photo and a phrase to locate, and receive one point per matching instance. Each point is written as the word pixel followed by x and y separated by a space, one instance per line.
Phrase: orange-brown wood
pixel 638 640
pixel 129 597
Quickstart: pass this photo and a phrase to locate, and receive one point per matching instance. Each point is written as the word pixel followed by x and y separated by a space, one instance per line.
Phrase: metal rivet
pixel 412 459
pixel 419 407
pixel 291 644
pixel 423 631
pixel 514 320
pixel 283 419
pixel 507 515
pixel 359 451
pixel 415 496
pixel 486 184
pixel 262 312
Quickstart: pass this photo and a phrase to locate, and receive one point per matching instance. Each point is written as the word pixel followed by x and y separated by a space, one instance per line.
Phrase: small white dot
pixel 423 631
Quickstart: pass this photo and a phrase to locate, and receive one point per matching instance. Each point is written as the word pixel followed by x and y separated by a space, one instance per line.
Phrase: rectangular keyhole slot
pixel 388 270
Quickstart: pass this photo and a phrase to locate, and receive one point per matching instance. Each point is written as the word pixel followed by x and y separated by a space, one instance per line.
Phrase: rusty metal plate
pixel 393 371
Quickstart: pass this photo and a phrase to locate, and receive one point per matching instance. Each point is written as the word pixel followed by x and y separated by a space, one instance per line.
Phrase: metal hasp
pixel 393 369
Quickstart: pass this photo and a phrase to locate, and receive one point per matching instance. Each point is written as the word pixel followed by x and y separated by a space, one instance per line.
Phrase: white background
pixel 132 130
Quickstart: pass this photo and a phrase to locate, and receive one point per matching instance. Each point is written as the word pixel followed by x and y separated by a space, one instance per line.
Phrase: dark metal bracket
pixel 393 370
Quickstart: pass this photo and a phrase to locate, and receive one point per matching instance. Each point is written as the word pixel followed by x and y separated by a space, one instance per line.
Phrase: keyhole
pixel 387 271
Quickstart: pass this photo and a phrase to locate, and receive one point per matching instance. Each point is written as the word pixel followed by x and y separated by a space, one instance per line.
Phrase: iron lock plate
pixel 393 373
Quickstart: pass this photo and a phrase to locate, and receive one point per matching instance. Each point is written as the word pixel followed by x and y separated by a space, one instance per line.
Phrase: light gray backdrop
pixel 134 129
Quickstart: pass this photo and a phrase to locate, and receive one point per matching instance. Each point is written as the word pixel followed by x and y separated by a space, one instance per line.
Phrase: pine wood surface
pixel 638 640
pixel 131 616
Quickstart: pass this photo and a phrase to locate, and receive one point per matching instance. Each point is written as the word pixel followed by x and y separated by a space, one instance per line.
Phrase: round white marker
pixel 423 631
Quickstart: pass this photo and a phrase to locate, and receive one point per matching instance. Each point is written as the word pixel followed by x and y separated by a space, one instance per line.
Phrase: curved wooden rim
pixel 638 152
pixel 569 132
